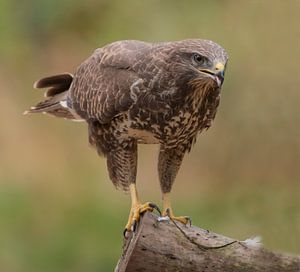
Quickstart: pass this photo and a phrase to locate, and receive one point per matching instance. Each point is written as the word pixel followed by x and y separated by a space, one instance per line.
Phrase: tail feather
pixel 48 104
pixel 53 91
pixel 56 102
pixel 57 84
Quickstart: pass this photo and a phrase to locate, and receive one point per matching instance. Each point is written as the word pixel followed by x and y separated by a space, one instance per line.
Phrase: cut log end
pixel 171 246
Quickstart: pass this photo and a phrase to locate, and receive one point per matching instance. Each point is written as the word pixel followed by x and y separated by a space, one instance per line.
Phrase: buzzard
pixel 133 92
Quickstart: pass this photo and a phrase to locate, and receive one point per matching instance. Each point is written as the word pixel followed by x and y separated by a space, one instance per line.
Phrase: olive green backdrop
pixel 59 211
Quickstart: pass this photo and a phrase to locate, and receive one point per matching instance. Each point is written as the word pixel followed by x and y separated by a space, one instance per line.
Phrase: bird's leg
pixel 167 210
pixel 169 161
pixel 122 166
pixel 137 208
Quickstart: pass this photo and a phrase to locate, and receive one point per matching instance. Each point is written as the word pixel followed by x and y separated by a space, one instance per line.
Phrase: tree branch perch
pixel 170 246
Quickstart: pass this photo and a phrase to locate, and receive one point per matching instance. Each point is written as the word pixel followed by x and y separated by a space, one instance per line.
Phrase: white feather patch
pixel 63 103
pixel 253 242
pixel 163 218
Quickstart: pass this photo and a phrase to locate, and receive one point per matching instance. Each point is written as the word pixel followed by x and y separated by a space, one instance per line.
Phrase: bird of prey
pixel 133 92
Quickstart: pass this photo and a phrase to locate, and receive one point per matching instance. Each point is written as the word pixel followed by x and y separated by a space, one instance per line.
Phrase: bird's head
pixel 201 62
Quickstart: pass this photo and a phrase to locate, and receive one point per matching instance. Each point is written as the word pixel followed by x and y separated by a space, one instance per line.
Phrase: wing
pixel 102 85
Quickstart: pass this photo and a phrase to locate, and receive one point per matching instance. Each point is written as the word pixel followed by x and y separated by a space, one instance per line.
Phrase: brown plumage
pixel 132 92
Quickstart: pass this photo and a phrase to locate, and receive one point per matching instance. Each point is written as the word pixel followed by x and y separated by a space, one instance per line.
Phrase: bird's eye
pixel 198 58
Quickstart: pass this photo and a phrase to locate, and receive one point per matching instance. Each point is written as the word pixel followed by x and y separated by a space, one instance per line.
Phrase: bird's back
pixel 101 88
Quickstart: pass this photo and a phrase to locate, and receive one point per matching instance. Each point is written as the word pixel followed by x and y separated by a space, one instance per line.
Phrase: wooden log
pixel 171 246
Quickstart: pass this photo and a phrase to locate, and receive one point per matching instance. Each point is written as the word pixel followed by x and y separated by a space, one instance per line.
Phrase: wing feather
pixel 101 88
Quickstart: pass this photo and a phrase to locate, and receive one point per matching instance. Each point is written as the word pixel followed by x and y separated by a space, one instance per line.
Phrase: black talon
pixel 189 220
pixel 125 232
pixel 168 212
pixel 134 226
pixel 154 206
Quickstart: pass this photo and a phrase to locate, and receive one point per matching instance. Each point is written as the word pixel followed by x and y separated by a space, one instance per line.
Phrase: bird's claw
pixel 135 213
pixel 189 220
pixel 182 219
pixel 154 207
pixel 134 225
pixel 186 220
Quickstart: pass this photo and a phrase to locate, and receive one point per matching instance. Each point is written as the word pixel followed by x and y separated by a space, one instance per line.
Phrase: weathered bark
pixel 166 246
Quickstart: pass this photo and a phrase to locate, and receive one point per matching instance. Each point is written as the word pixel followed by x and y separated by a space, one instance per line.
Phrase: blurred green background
pixel 58 209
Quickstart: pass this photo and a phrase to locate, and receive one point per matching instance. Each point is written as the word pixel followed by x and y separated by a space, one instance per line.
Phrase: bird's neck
pixel 201 95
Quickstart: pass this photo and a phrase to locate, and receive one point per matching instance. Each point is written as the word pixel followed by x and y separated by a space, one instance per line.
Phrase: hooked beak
pixel 217 74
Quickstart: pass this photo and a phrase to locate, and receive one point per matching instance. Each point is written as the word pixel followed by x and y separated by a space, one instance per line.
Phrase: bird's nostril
pixel 219 66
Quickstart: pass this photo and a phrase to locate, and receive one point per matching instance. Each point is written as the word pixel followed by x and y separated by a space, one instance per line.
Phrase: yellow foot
pixel 135 214
pixel 182 219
